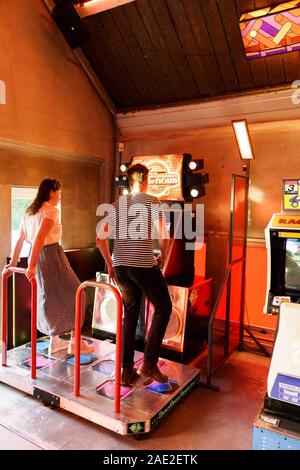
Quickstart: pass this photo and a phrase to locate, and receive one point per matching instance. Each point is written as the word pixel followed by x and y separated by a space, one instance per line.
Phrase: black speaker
pixel 70 24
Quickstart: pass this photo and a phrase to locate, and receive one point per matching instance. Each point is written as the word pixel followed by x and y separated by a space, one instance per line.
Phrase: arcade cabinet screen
pixel 165 175
pixel 292 264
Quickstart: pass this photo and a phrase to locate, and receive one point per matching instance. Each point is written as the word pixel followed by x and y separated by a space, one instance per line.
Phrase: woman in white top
pixel 56 281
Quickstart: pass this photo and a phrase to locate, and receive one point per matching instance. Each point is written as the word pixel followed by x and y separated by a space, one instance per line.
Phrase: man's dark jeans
pixel 133 283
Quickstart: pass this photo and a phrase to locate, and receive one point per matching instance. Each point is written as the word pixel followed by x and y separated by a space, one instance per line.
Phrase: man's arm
pixel 102 243
pixel 164 238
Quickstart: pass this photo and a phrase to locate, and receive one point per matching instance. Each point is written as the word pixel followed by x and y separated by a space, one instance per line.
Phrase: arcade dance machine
pixel 278 424
pixel 88 385
pixel 173 179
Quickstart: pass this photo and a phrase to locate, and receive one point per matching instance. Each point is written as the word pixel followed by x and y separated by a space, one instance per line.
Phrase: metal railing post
pixel 33 318
pixel 118 297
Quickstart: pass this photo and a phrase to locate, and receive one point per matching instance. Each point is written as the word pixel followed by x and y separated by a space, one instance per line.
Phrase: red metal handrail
pixel 118 297
pixel 33 318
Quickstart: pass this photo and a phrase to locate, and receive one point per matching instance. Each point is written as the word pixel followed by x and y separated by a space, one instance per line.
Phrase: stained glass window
pixel 272 30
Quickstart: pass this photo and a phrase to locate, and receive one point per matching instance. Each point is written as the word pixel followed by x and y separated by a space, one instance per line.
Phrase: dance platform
pixel 143 405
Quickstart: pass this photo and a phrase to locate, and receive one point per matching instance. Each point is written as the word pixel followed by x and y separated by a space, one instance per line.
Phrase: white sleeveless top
pixel 31 224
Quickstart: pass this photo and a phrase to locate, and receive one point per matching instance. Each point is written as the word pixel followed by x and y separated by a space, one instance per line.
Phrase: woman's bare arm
pixel 46 226
pixel 16 251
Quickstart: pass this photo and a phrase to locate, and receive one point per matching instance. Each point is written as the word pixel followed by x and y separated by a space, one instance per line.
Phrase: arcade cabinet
pixel 278 424
pixel 174 180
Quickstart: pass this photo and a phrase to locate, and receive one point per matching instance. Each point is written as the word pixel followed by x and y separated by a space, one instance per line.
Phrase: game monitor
pixel 284 269
pixel 292 265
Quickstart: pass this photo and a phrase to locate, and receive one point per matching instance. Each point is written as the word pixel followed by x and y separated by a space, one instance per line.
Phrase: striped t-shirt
pixel 132 220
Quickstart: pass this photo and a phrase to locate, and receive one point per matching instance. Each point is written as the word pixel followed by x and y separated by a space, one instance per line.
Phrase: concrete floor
pixel 205 420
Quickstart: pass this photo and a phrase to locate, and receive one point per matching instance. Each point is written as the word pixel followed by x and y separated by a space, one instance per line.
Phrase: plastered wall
pixel 49 101
pixel 51 105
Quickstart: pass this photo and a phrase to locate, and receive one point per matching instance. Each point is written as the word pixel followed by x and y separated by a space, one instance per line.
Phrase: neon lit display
pixel 165 175
pixel 272 30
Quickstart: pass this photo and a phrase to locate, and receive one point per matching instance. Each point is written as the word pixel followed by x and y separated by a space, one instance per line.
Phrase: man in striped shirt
pixel 134 221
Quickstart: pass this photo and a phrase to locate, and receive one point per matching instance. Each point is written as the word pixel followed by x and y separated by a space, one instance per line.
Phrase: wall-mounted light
pixel 194 193
pixel 196 164
pixel 242 136
pixel 123 167
pixel 92 7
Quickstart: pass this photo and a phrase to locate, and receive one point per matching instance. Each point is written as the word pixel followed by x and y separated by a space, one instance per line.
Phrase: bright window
pixel 21 198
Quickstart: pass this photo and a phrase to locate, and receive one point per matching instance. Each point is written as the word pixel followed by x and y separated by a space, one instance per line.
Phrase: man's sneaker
pixel 85 348
pixel 129 375
pixel 56 344
pixel 153 372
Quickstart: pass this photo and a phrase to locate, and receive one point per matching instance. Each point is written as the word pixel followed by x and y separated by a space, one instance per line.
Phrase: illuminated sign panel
pixel 288 221
pixel 291 194
pixel 272 30
pixel 165 175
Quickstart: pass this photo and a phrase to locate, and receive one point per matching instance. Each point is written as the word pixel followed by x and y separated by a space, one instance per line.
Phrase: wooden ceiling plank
pixel 243 6
pixel 291 63
pixel 146 61
pixel 104 72
pixel 276 69
pixel 266 3
pixel 137 66
pixel 117 59
pixel 167 65
pixel 108 64
pixel 230 21
pixel 161 86
pixel 189 46
pixel 170 38
pixel 204 45
pixel 260 72
pixel 216 31
pixel 131 56
pixel 95 55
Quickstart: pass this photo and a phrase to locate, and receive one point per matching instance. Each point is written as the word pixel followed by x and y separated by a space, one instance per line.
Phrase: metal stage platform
pixel 143 405
pixel 89 385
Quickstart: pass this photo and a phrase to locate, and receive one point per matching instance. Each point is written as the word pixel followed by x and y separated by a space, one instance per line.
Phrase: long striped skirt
pixel 56 287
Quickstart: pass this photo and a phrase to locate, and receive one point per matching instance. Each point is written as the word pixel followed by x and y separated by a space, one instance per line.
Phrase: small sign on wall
pixel 291 194
pixel 2 92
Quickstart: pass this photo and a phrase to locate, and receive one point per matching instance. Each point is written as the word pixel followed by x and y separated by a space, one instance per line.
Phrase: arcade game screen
pixel 292 264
